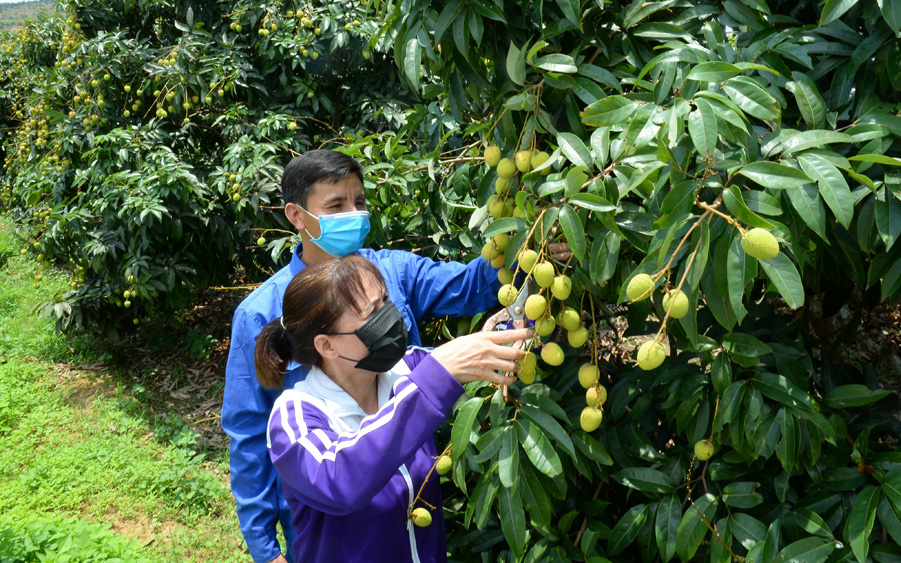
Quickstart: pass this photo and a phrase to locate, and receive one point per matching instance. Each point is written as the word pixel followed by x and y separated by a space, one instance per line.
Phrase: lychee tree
pixel 146 140
pixel 727 178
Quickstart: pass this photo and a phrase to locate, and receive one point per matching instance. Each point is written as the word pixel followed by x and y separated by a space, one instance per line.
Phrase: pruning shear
pixel 511 317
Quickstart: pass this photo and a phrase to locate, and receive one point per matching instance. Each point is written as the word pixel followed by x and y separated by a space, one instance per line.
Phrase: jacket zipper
pixel 410 527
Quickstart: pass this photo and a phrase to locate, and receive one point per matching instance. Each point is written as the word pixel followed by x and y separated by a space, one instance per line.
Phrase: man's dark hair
pixel 315 166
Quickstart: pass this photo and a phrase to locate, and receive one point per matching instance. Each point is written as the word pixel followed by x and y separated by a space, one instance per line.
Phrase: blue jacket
pixel 420 288
pixel 351 479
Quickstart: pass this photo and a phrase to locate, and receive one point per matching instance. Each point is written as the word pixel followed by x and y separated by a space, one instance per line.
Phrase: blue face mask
pixel 342 233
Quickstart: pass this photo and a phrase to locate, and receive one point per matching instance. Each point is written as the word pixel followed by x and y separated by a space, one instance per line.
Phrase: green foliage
pixel 148 140
pixel 64 540
pixel 673 129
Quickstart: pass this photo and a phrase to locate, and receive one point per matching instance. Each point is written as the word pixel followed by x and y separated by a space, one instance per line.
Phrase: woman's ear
pixel 295 216
pixel 323 345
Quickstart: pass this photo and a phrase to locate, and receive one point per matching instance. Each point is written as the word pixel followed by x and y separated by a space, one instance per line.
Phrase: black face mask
pixel 385 336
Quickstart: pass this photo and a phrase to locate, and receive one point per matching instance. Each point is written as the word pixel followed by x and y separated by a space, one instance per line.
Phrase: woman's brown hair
pixel 313 303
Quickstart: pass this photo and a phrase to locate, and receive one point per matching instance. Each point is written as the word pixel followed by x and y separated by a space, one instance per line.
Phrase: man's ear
pixel 295 216
pixel 323 345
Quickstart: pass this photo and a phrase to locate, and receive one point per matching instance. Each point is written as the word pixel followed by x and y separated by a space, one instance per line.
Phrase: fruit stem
pixel 679 247
pixel 447 451
pixel 691 261
pixel 728 219
pixel 528 238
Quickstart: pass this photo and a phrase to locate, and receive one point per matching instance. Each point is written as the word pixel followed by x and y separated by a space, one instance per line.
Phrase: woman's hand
pixel 479 356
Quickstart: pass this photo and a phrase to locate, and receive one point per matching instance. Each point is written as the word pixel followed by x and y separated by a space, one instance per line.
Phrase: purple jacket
pixel 350 478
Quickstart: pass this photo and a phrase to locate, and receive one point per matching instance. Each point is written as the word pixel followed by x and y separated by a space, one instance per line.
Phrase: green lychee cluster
pixel 537 308
pixel 523 161
pixel 595 397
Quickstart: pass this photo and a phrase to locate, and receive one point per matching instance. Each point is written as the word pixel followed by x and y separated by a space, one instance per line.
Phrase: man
pixel 324 200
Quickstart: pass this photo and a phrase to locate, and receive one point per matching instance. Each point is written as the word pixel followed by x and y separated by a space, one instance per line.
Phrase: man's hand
pixel 279 559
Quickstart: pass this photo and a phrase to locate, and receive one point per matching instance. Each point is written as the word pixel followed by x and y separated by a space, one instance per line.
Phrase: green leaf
pixel 557 63
pixel 737 275
pixel 892 280
pixel 811 522
pixel 876 158
pixel 645 479
pixel 714 71
pixel 775 175
pixel 450 13
pixel 535 498
pixel 730 403
pixel 861 520
pixel 513 519
pixel 692 528
pixel 892 489
pixel 888 517
pixel 810 102
pixel 804 140
pixel 749 531
pixel 627 528
pixel 484 494
pixel 833 186
pixel 571 10
pixel 462 429
pixel 508 459
pixel 534 50
pixel 640 175
pixel 503 225
pixel 721 373
pixel 669 514
pixel 780 389
pixel 591 448
pixel 807 202
pixel 575 150
pixel 613 110
pixel 702 127
pixel 745 345
pixel 412 62
pixel 550 427
pixel 538 448
pixel 753 98
pixel 808 550
pixel 888 217
pixel 787 448
pixel 735 203
pixel 592 202
pixel 516 65
pixel 834 9
pixel 784 275
pixel 852 395
pixel 891 12
pixel 574 231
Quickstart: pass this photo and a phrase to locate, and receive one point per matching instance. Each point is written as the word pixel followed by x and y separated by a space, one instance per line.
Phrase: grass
pixel 81 462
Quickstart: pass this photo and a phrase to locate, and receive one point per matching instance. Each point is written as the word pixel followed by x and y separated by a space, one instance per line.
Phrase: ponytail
pixel 313 303
pixel 273 352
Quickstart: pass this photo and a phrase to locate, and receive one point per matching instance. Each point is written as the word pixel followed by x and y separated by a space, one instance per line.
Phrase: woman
pixel 353 441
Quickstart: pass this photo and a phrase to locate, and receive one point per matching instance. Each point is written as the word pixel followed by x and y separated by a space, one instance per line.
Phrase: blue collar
pixel 296 264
